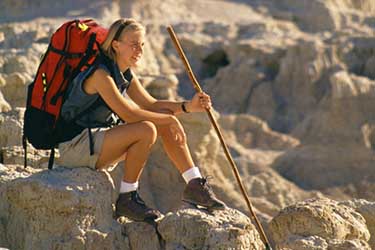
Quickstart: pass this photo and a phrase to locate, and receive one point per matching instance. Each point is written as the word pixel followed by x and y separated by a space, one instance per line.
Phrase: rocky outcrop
pixel 72 208
pixel 319 224
pixel 336 139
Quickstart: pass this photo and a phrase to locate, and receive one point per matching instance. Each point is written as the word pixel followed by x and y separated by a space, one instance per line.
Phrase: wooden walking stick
pixel 217 129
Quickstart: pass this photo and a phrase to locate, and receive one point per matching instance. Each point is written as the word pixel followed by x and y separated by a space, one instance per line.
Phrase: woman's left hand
pixel 199 103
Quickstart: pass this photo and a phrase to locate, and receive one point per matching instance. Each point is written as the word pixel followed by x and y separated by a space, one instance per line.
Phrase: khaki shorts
pixel 76 152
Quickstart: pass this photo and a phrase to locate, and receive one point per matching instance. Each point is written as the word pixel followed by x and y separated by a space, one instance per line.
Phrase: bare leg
pixel 136 139
pixel 178 154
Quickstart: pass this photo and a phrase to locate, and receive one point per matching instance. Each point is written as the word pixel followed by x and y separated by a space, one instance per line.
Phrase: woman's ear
pixel 115 45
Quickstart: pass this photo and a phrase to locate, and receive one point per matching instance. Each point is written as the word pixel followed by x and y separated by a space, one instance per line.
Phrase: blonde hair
pixel 118 28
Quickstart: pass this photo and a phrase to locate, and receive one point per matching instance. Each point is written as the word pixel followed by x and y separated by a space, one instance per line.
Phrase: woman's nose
pixel 138 47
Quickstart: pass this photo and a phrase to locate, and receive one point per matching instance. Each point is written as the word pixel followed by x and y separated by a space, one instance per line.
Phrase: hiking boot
pixel 198 192
pixel 132 206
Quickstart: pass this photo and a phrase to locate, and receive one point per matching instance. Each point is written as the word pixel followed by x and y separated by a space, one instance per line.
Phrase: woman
pixel 102 84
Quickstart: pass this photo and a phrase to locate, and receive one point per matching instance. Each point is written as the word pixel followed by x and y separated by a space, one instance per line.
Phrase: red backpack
pixel 73 47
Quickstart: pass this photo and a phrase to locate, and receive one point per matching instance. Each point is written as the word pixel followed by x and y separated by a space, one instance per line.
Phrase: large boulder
pixel 8 173
pixel 60 208
pixel 319 224
pixel 232 231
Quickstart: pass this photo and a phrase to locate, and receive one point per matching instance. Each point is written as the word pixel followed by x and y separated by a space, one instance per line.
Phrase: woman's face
pixel 129 48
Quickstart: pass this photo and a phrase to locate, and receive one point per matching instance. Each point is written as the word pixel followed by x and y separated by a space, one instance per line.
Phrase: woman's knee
pixel 165 131
pixel 149 131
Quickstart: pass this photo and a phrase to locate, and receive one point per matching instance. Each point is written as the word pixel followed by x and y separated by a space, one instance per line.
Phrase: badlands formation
pixel 293 88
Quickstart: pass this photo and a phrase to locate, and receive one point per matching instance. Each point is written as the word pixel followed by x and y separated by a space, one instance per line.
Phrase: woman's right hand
pixel 177 131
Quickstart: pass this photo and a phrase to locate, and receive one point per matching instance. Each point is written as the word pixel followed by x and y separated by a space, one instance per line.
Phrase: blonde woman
pixel 101 87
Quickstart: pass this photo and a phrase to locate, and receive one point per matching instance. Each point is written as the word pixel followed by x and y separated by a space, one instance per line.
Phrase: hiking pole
pixel 221 138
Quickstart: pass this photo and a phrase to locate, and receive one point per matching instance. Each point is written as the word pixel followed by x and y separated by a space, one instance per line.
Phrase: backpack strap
pixel 91 142
pixel 24 145
pixel 51 158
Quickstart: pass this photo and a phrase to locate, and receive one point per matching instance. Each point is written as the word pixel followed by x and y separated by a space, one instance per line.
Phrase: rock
pixel 348 245
pixel 318 243
pixel 301 89
pixel 80 202
pixel 305 243
pixel 263 84
pixel 367 210
pixel 25 11
pixel 252 132
pixel 4 105
pixel 141 236
pixel 70 197
pixel 369 135
pixel 15 89
pixel 276 190
pixel 226 229
pixel 8 173
pixel 335 139
pixel 345 85
pixel 324 166
pixel 35 158
pixel 10 129
pixel 163 87
pixel 324 218
pixel 369 70
pixel 315 16
pixel 242 76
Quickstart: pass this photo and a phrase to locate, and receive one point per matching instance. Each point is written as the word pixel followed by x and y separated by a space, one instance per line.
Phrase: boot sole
pixel 203 207
pixel 116 216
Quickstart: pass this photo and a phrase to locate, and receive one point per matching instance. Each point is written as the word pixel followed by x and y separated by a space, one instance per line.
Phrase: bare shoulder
pixel 97 80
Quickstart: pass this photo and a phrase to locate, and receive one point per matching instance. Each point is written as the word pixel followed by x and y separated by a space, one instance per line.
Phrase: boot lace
pixel 206 186
pixel 138 199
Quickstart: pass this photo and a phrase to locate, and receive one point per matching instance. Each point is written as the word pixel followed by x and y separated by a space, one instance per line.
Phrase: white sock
pixel 191 173
pixel 128 187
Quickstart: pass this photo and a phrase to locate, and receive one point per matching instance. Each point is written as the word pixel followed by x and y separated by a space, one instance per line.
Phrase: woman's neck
pixel 122 66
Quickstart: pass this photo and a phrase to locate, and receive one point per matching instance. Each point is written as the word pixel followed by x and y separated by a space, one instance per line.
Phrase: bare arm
pixel 143 99
pixel 100 82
